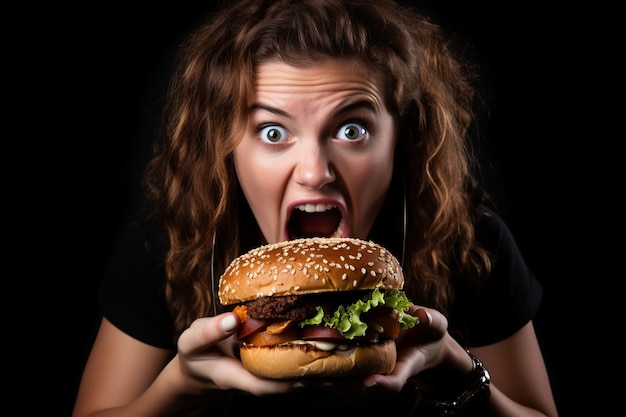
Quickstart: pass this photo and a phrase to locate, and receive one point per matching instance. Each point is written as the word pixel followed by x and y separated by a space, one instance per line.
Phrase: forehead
pixel 328 75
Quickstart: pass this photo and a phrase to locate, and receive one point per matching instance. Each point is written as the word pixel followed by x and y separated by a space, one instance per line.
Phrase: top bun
pixel 309 265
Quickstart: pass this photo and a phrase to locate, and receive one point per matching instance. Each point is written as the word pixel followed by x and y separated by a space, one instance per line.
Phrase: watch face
pixel 478 392
pixel 472 399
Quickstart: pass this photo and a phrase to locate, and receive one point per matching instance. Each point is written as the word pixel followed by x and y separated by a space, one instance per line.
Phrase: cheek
pixel 368 181
pixel 260 180
pixel 368 184
pixel 372 184
pixel 252 175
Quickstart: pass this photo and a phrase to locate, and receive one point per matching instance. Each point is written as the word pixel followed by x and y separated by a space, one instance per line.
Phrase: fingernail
pixel 430 318
pixel 297 385
pixel 228 323
pixel 370 384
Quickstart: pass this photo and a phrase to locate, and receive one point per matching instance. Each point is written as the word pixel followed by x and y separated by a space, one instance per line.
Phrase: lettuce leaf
pixel 348 319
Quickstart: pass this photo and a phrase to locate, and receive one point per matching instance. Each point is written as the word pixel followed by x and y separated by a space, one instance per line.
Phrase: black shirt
pixel 132 297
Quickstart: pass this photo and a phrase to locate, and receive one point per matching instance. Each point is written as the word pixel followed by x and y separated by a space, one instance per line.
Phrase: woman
pixel 332 118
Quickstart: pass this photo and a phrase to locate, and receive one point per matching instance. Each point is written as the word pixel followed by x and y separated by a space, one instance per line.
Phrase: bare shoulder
pixel 118 369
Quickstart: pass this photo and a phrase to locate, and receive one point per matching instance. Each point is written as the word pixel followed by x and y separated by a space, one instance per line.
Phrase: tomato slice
pixel 322 333
pixel 250 326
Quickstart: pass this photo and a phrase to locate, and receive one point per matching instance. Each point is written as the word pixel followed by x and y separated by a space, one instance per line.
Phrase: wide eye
pixel 273 134
pixel 352 131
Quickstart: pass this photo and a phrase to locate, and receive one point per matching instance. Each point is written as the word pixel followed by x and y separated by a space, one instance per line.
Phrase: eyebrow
pixel 258 106
pixel 358 104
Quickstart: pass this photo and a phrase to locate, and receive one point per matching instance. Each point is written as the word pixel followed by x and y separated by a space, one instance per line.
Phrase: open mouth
pixel 311 220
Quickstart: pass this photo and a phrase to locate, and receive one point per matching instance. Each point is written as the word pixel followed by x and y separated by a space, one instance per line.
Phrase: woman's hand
pixel 207 356
pixel 418 349
pixel 426 347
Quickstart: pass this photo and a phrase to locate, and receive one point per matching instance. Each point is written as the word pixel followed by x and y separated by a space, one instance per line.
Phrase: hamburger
pixel 317 307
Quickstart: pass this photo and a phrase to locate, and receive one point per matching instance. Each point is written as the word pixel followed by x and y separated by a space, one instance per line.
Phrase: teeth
pixel 315 208
pixel 340 229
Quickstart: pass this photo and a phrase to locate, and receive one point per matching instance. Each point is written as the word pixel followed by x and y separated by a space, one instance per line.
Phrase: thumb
pixel 430 320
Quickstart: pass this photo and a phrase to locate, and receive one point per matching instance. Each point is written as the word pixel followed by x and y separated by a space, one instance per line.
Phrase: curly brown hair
pixel 191 182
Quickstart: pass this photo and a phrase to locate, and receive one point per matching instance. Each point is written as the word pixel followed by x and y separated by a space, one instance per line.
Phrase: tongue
pixel 304 224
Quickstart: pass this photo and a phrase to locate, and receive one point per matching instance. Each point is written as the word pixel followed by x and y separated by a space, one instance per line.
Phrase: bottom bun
pixel 304 360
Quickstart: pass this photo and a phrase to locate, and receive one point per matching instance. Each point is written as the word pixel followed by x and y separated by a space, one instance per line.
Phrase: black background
pixel 90 102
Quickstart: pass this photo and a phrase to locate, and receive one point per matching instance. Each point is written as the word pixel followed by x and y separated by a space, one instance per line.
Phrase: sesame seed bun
pixel 307 266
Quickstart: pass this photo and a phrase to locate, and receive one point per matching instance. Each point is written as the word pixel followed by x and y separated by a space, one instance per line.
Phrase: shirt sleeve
pixel 132 291
pixel 510 297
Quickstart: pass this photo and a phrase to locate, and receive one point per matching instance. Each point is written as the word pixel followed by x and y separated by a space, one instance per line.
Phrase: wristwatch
pixel 475 393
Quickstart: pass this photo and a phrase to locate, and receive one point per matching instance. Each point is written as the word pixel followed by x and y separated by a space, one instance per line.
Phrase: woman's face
pixel 317 155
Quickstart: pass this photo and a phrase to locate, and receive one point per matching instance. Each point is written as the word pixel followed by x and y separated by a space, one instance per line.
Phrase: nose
pixel 314 169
